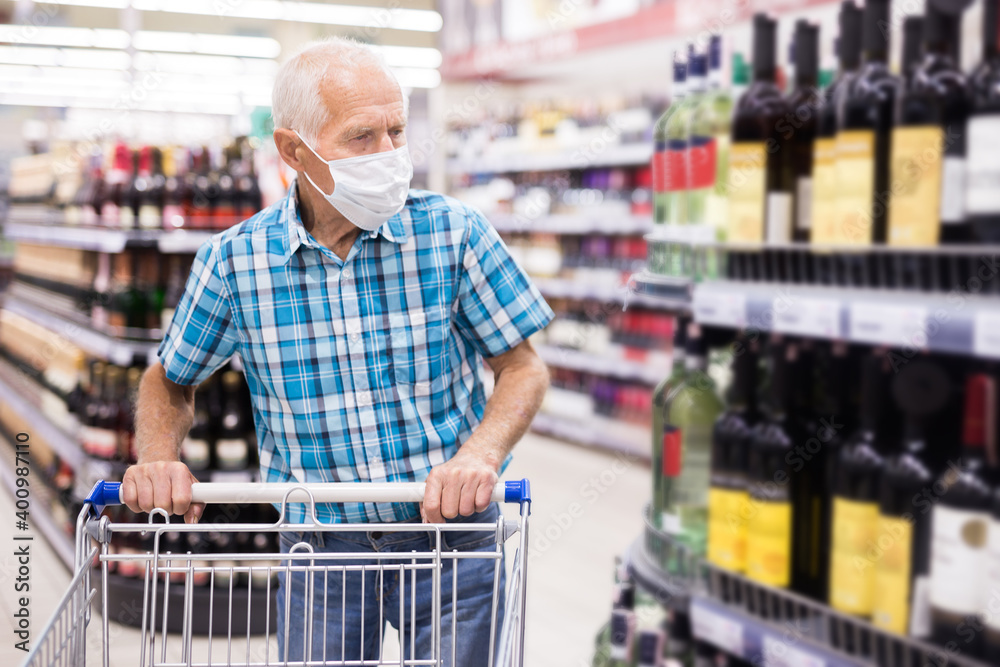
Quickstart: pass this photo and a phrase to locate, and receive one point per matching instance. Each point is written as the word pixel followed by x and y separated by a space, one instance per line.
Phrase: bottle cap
pixel 876 18
pixel 806 53
pixel 913 35
pixel 697 65
pixel 764 29
pixel 715 52
pixel 849 42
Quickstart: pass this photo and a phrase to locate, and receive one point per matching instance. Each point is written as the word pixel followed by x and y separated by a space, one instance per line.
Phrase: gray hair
pixel 295 99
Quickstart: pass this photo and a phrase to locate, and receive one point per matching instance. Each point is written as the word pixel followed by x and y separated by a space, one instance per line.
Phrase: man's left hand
pixel 462 486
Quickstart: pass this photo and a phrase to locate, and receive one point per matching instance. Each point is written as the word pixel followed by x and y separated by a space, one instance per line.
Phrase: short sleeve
pixel 497 306
pixel 201 336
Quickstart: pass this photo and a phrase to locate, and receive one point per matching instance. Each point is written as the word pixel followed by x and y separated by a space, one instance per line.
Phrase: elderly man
pixel 361 310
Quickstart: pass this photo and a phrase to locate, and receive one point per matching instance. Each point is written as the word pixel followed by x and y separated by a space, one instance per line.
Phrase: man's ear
pixel 287 143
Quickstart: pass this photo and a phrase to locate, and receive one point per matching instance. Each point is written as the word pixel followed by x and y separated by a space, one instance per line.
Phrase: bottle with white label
pixel 992 613
pixel 960 526
pixel 982 178
pixel 929 141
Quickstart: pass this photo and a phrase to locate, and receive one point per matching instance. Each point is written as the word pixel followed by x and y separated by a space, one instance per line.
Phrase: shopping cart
pixel 64 639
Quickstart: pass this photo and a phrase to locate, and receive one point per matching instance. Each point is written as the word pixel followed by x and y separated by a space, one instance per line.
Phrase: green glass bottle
pixel 662 175
pixel 689 416
pixel 708 155
pixel 659 411
pixel 678 136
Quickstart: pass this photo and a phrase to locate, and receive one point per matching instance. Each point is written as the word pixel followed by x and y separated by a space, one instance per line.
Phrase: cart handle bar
pixel 109 493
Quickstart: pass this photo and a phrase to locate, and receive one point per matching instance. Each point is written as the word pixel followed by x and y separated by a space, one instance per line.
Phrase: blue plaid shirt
pixel 366 369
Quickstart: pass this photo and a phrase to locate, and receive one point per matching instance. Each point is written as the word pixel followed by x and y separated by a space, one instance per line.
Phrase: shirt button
pixel 364 398
pixel 345 274
pixel 377 535
pixel 355 337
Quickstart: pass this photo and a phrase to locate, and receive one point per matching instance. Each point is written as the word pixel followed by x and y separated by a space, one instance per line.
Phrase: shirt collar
pixel 392 230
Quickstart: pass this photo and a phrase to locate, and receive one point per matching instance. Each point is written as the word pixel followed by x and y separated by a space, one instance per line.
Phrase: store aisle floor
pixel 586 510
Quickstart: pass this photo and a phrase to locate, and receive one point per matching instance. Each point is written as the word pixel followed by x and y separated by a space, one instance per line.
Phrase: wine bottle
pixel 150 212
pixel 200 195
pixel 960 523
pixel 709 151
pixel 798 128
pixel 231 450
pixel 100 435
pixel 983 168
pixel 197 448
pixel 660 166
pixel 864 124
pixel 928 142
pixel 901 548
pixel 127 446
pixel 728 499
pixel 855 500
pixel 679 137
pixel 225 208
pixel 913 48
pixel 760 197
pixel 769 525
pixel 248 188
pixel 659 417
pixel 825 191
pixel 992 635
pixel 174 161
pixel 691 410
pixel 116 186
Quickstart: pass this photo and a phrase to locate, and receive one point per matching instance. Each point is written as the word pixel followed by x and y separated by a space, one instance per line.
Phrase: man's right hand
pixel 163 484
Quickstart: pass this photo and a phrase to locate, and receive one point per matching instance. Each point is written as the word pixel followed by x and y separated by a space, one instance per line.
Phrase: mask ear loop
pixel 308 177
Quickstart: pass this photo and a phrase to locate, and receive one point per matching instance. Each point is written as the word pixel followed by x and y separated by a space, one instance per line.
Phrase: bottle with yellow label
pixel 863 136
pixel 900 547
pixel 825 193
pixel 769 513
pixel 855 500
pixel 728 499
pixel 929 144
pixel 760 188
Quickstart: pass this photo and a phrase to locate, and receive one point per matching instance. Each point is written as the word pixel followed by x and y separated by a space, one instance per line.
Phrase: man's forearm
pixel 163 415
pixel 517 395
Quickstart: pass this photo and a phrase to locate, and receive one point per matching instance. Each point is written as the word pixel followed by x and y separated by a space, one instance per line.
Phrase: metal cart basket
pixel 172 577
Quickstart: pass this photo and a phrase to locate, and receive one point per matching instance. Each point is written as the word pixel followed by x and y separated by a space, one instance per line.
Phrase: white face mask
pixel 368 189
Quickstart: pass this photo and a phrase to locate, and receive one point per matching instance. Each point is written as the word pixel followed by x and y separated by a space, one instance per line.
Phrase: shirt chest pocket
pixel 418 344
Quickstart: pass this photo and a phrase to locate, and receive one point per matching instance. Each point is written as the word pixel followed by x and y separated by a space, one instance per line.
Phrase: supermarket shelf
pixel 103 239
pixel 955 323
pixel 587 432
pixel 624 369
pixel 667 291
pixel 40 519
pixel 771 626
pixel 85 238
pixel 563 288
pixel 583 157
pixel 66 447
pixel 572 224
pixel 116 350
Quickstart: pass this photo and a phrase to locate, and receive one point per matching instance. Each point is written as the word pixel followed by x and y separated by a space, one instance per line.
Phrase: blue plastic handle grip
pixel 105 493
pixel 517 491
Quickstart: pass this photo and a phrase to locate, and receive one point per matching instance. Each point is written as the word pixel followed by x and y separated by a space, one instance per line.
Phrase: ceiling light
pixel 410 56
pixel 205 43
pixel 417 20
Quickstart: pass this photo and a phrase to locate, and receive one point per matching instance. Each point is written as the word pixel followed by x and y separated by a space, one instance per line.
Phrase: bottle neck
pixel 695 362
pixel 991 28
pixel 696 84
pixel 876 44
pixel 715 79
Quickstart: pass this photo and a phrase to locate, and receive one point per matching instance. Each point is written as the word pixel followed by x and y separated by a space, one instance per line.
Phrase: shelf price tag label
pixel 780 653
pixel 888 324
pixel 726 309
pixel 986 334
pixel 713 627
pixel 807 316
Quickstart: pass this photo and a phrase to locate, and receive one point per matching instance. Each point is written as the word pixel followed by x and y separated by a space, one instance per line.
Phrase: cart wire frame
pixel 63 641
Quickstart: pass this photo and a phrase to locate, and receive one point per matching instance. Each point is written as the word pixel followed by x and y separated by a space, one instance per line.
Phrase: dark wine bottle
pixel 197 448
pixel 249 197
pixel 769 525
pixel 959 529
pixel 928 142
pixel 760 194
pixel 856 497
pixel 825 193
pixel 799 127
pixel 983 168
pixel 864 127
pixel 902 547
pixel 728 499
pixel 231 450
pixel 913 48
pixel 149 214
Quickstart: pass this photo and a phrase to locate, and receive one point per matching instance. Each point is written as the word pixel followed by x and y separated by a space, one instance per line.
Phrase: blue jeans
pixel 353 606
